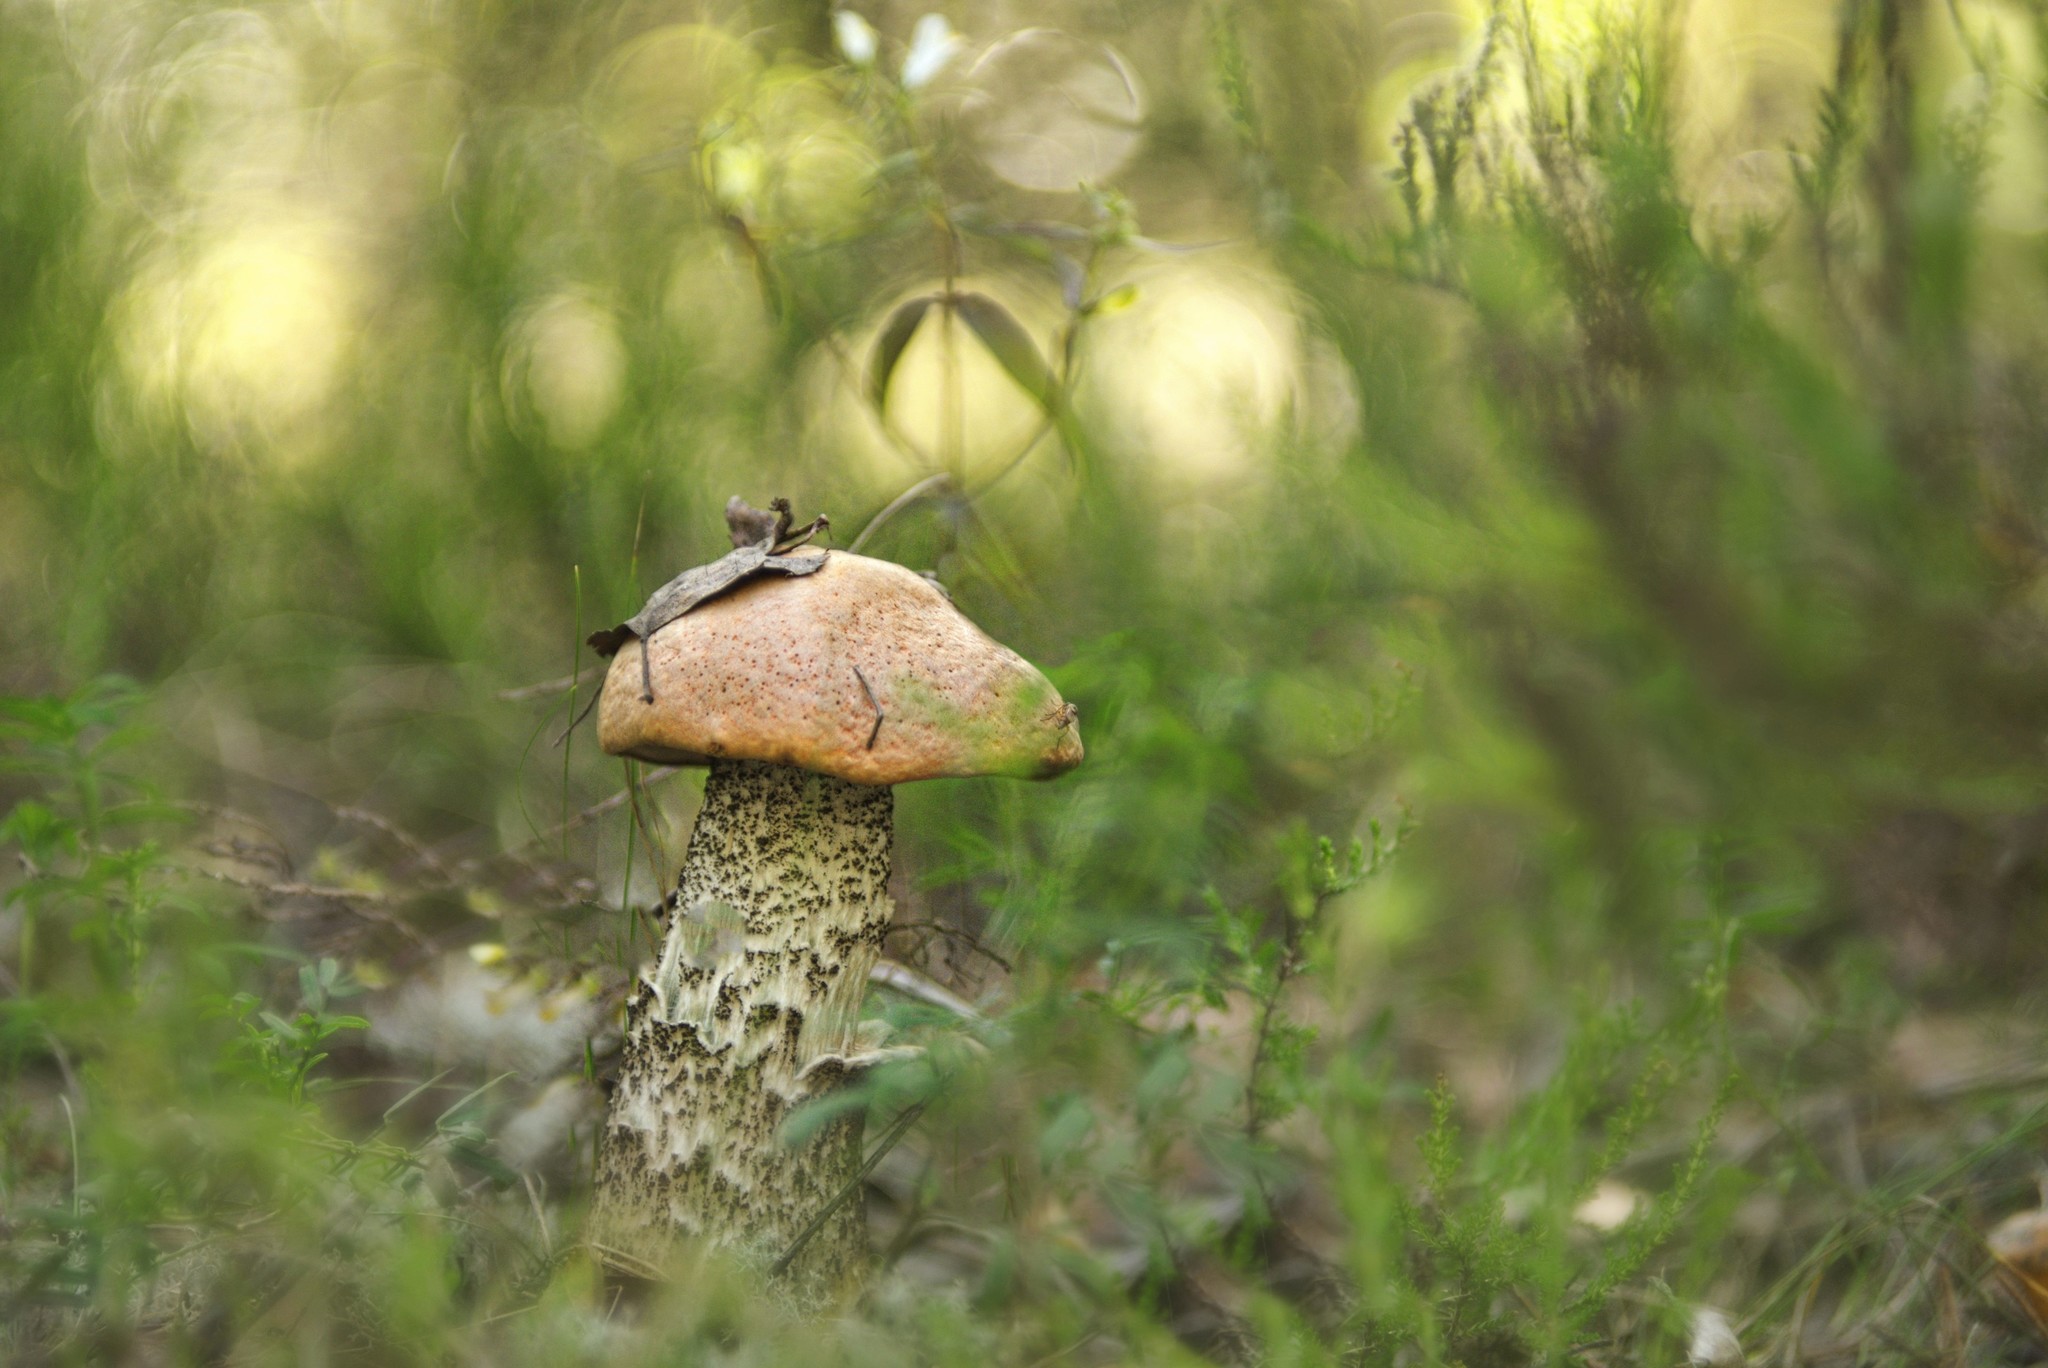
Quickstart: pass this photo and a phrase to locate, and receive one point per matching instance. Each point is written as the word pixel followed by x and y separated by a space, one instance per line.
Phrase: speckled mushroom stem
pixel 752 1010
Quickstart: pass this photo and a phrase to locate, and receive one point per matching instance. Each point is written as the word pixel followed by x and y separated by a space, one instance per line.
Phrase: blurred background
pixel 1588 456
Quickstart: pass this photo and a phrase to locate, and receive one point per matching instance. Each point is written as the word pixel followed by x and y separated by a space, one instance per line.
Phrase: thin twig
pixel 907 981
pixel 620 1259
pixel 412 845
pixel 540 690
pixel 1056 1355
pixel 57 1050
pixel 1254 1121
pixel 508 1315
pixel 364 904
pixel 888 1142
pixel 240 818
pixel 285 890
pixel 657 849
pixel 589 814
pixel 929 484
pixel 880 717
pixel 1795 1333
pixel 76 1172
pixel 955 934
pixel 540 1216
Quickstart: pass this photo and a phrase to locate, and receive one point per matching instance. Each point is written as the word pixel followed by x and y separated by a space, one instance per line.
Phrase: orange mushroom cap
pixel 799 671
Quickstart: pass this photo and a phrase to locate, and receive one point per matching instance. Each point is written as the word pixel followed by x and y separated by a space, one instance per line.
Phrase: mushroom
pixel 808 696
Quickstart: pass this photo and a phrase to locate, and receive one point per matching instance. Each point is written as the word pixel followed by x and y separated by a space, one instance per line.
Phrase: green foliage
pixel 81 880
pixel 1490 1262
pixel 1640 578
pixel 285 1052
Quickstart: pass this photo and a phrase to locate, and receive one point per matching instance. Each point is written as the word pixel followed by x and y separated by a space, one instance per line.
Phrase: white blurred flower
pixel 1610 1206
pixel 932 45
pixel 856 37
pixel 468 1011
pixel 540 1130
pixel 1048 111
pixel 1713 1343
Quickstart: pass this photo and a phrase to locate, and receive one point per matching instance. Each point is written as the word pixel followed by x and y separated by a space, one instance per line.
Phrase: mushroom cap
pixel 773 671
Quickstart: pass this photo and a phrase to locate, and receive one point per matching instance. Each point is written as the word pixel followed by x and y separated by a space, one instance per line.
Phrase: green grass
pixel 1561 847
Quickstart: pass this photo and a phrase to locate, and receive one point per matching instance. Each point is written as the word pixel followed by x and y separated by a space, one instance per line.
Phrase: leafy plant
pixel 286 1051
pixel 76 881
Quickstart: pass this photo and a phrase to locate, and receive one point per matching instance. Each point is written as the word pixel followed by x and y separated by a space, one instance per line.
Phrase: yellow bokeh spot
pixel 953 403
pixel 787 159
pixel 247 333
pixel 565 369
pixel 1198 375
pixel 659 87
pixel 950 406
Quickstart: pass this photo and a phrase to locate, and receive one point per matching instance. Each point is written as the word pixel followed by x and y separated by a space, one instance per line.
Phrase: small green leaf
pixel 40 832
pixel 889 345
pixel 1007 341
pixel 1069 1126
pixel 803 1124
pixel 1116 301
pixel 1168 1071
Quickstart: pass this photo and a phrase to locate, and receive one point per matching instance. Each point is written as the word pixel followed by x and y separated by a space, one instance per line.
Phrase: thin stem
pixel 882 1147
pixel 593 812
pixel 19 989
pixel 927 485
pixel 1254 1121
pixel 626 884
pixel 411 844
pixel 363 904
pixel 952 427
pixel 568 747
pixel 540 690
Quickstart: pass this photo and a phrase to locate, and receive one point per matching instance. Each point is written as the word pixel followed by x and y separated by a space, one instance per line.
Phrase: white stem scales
pixel 752 1009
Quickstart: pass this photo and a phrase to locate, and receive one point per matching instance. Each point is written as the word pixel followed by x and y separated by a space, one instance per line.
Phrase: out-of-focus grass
pixel 1641 516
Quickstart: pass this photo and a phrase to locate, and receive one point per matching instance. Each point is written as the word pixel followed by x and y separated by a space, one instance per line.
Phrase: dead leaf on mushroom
pixel 761 540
